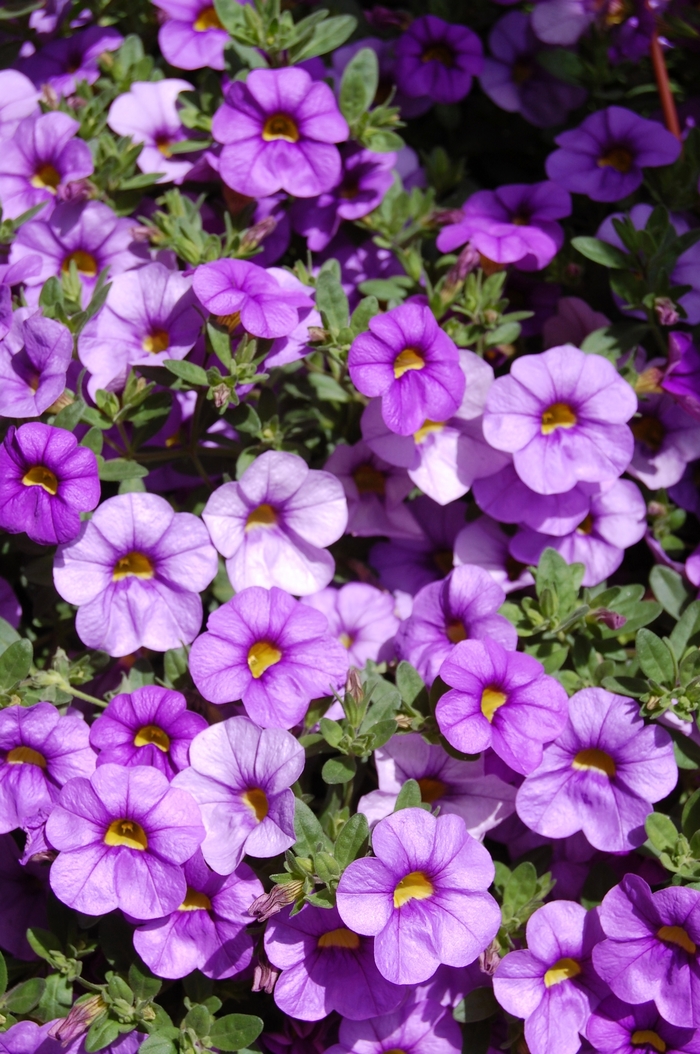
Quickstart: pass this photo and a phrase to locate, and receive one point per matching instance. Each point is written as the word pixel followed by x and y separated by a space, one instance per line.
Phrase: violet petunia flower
pixel 273 526
pixel 485 544
pixel 408 564
pixel 505 498
pixel 10 607
pixel 615 1027
pixel 482 799
pixel 294 345
pixel 67 61
pixel 148 114
pixel 34 359
pixel 207 931
pixel 361 617
pixel 412 364
pixel 241 292
pixel 150 726
pixel 40 750
pixel 601 776
pixel 24 894
pixel 39 162
pixel 192 37
pixel 651 951
pixel 563 415
pixel 420 1026
pixel 604 157
pixel 375 493
pixel 135 571
pixel 270 651
pixel 462 607
pixel 279 128
pixel 46 481
pixel 422 896
pixel 325 967
pixel 682 376
pixel 122 837
pixel 437 59
pixel 552 984
pixel 241 775
pixel 18 99
pixel 666 438
pixel 500 699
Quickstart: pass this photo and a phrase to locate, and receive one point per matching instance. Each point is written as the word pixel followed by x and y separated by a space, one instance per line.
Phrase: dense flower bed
pixel 350 418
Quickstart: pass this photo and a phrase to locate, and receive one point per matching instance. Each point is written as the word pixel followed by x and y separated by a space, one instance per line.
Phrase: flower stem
pixel 668 103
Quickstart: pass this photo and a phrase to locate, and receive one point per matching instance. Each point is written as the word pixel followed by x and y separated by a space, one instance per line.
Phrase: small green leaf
pixel 478 1005
pixel 235 1031
pixel 339 770
pixel 24 997
pixel 70 415
pixel 15 662
pixel 331 300
pixel 142 982
pixel 687 630
pixel 690 818
pixel 119 468
pixel 409 797
pixel 359 84
pixel 187 371
pixel 309 833
pixel 410 684
pixel 331 731
pixel 519 890
pixel 102 1032
pixel 669 589
pixel 3 974
pixel 602 253
pixel 43 943
pixel 328 36
pixel 352 840
pixel 367 308
pixel 157 1044
pixel 655 658
pixel 661 831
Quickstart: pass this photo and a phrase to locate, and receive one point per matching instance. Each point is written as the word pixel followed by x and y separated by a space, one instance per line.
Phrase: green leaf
pixel 331 301
pixel 309 833
pixel 3 974
pixel 661 831
pixel 56 999
pixel 359 84
pixel 157 1044
pixel 331 731
pixel 339 770
pixel 327 388
pixel 120 468
pixel 602 253
pixel 669 589
pixel 8 635
pixel 70 415
pixel 690 817
pixel 367 308
pixel 187 371
pixel 175 666
pixel 410 684
pixel 102 1032
pixel 519 890
pixel 478 1005
pixel 235 1031
pixel 328 36
pixel 15 662
pixel 352 840
pixel 142 982
pixel 43 943
pixel 687 630
pixel 24 997
pixel 634 687
pixel 409 797
pixel 93 440
pixel 655 658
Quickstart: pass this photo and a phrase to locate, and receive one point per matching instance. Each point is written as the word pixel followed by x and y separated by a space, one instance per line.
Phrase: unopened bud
pixel 258 233
pixel 49 97
pixel 666 311
pixel 318 335
pixel 76 190
pixel 139 233
pixel 60 404
pixel 489 959
pixel 611 619
pixel 221 395
pixel 467 261
pixel 268 904
pixel 80 1017
pixel 353 686
pixel 264 977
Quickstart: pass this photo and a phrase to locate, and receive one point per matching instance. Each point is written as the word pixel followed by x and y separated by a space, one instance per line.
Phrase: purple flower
pixel 615 1027
pixel 485 544
pixel 651 951
pixel 10 608
pixel 239 291
pixel 682 377
pixel 601 775
pixel 507 499
pixel 666 439
pixel 375 492
pixel 23 891
pixel 409 565
pixel 562 415
pixel 279 129
pixel 562 22
pixel 192 38
pixel 18 99
pixel 135 571
pixel 514 224
pixel 605 155
pixel 274 525
pixel 39 161
pixel 207 931
pixel 514 80
pixel 438 59
pixel 46 481
pixel 459 787
pixel 148 113
pixel 422 896
pixel 553 984
pixel 122 837
pixel 240 775
pixel 151 726
pixel 500 699
pixel 419 1027
pixel 270 651
pixel 573 321
pixel 65 62
pixel 409 361
pixel 361 617
pixel 326 967
pixel 295 345
pixel 462 607
pixel 39 752
pixel 34 358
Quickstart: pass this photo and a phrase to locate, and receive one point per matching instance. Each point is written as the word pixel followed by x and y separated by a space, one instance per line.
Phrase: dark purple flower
pixel 65 62
pixel 421 1026
pixel 23 891
pixel 34 359
pixel 192 37
pixel 410 565
pixel 39 161
pixel 666 439
pixel 615 1027
pixel 437 59
pixel 241 292
pixel 682 376
pixel 10 608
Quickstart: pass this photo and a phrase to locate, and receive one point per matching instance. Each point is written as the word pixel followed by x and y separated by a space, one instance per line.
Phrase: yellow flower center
pixel 439 53
pixel 46 178
pixel 85 263
pixel 256 800
pixel 563 970
pixel 207 19
pixel 491 700
pixel 586 526
pixel 594 760
pixel 431 789
pixel 558 415
pixel 153 735
pixel 369 480
pixel 156 342
pixel 261 657
pixel 231 322
pixel 644 1037
pixel 406 360
pixel 678 936
pixel 455 631
pixel 341 938
pixel 618 158
pixel 346 640
pixel 128 833
pixel 426 429
pixel 25 756
pixel 263 516
pixel 133 565
pixel 40 476
pixel 164 144
pixel 649 431
pixel 415 886
pixel 195 901
pixel 280 126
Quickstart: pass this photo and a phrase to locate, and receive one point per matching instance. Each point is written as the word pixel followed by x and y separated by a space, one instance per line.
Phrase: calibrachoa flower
pixel 46 481
pixel 39 161
pixel 122 837
pixel 563 415
pixel 207 931
pixel 34 358
pixel 507 499
pixel 325 967
pixel 375 492
pixel 421 1026
pixel 39 752
pixel 135 571
pixel 150 726
pixel 192 38
pixel 241 292
pixel 24 894
pixel 148 113
pixel 605 155
pixel 279 128
pixel 486 544
pixel 361 617
pixel 601 776
pixel 666 439
pixel 274 524
pixel 240 775
pixel 10 608
pixel 64 63
pixel 422 896
pixel 651 951
pixel 682 376
pixel 462 607
pixel 552 984
pixel 270 651
pixel 437 59
pixel 615 1027
pixel 500 699
pixel 18 99
pixel 460 787
pixel 409 565
pixel 412 364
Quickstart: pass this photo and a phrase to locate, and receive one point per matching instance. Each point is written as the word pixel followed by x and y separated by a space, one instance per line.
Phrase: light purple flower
pixel 148 114
pixel 507 499
pixel 295 345
pixel 572 323
pixel 562 415
pixel 274 525
pixel 279 129
pixel 421 1026
pixel 605 155
pixel 484 543
pixel 375 492
pixel 601 776
pixel 135 571
pixel 207 931
pixel 19 99
pixel 192 37
pixel 562 22
pixel 34 359
pixel 241 292
pixel 666 439
pixel 40 160
pixel 150 726
pixel 409 565
pixel 422 896
pixel 122 837
pixel 615 1027
pixel 65 62
pixel 270 651
pixel 24 893
pixel 240 775
pixel 500 699
pixel 437 59
pixel 361 617
pixel 552 984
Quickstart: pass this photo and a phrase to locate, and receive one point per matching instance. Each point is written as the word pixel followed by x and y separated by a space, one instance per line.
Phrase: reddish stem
pixel 668 103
